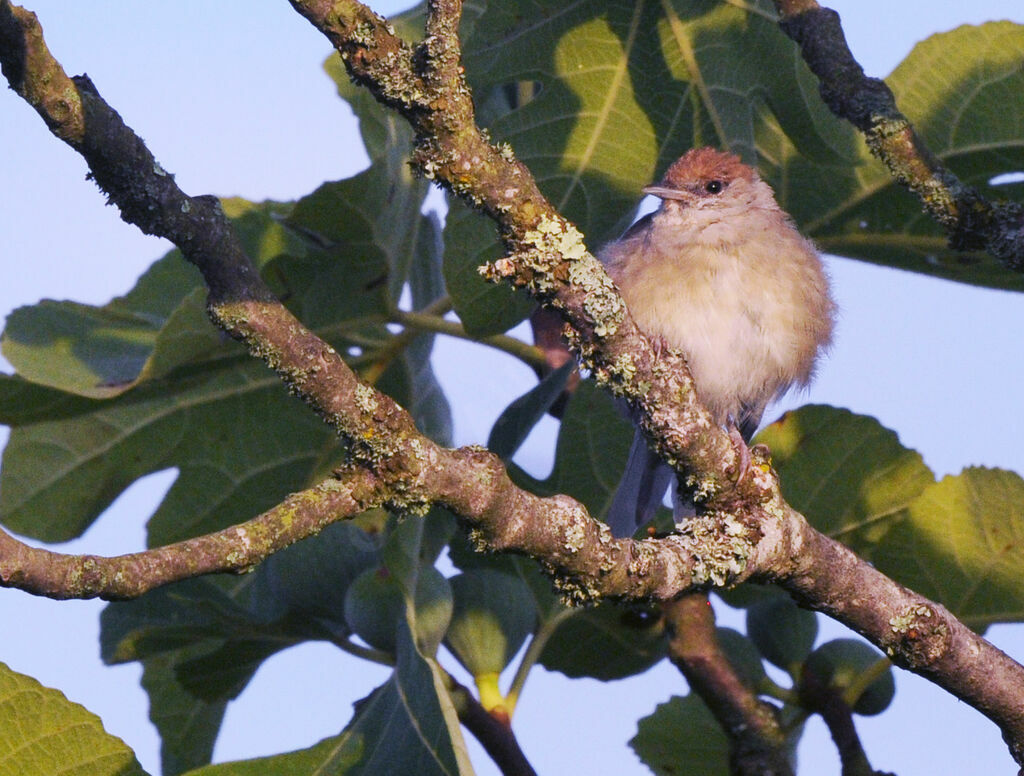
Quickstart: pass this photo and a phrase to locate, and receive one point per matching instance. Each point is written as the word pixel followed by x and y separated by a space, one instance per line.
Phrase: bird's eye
pixel 714 187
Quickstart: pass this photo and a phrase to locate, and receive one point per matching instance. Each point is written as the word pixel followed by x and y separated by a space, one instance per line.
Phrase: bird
pixel 720 272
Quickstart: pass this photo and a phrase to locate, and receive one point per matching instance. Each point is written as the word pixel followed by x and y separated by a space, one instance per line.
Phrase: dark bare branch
pixel 757 743
pixel 495 735
pixel 970 220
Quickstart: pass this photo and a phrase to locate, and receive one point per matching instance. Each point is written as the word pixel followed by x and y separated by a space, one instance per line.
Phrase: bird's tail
pixel 640 490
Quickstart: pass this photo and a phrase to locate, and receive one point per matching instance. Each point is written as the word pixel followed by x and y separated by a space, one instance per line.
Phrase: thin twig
pixel 971 221
pixel 529 354
pixel 838 717
pixel 495 735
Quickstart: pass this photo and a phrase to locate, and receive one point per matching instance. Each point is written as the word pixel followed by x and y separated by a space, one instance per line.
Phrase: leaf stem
pixel 865 679
pixel 767 686
pixel 431 319
pixel 366 653
pixel 532 654
pixel 372 373
pixel 530 354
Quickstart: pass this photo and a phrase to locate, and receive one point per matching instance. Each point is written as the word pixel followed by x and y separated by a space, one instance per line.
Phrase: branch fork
pixel 746 530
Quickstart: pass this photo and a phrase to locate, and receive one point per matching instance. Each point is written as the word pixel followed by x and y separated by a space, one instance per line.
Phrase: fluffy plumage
pixel 720 272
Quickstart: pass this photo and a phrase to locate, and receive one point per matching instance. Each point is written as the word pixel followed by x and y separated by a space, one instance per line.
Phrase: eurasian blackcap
pixel 720 272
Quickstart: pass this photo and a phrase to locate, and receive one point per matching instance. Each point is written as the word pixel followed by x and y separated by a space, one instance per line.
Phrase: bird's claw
pixel 740 444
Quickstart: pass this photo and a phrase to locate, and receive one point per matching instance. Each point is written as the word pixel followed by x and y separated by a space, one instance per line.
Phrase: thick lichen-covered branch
pixel 546 254
pixel 971 221
pixel 236 549
pixel 743 531
pixel 409 471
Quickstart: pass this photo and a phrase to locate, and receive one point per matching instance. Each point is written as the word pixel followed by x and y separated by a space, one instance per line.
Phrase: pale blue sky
pixel 237 104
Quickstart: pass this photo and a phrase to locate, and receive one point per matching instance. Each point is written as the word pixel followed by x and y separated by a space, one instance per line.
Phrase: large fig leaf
pixel 165 389
pixel 954 86
pixel 681 738
pixel 407 725
pixel 962 544
pixel 849 475
pixel 45 733
pixel 959 541
pixel 597 99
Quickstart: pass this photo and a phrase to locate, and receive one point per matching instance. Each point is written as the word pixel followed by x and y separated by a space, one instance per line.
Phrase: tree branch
pixel 915 633
pixel 495 735
pixel 745 530
pixel 235 549
pixel 971 221
pixel 839 719
pixel 756 741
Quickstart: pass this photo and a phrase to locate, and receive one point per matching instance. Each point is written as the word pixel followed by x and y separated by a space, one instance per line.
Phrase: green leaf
pixel 43 733
pixel 240 443
pixel 386 197
pixel 608 641
pixel 569 135
pixel 846 473
pixel 594 67
pixel 335 755
pixel 199 647
pixel 783 632
pixel 340 258
pixel 200 643
pixel 681 738
pixel 518 419
pixel 597 100
pixel 188 726
pixel 494 613
pixel 685 74
pixel 954 87
pixel 485 308
pixel 224 672
pixel 261 228
pixel 168 618
pixel 590 453
pixel 426 401
pixel 23 403
pixel 158 326
pixel 962 544
pixel 101 352
pixel 405 726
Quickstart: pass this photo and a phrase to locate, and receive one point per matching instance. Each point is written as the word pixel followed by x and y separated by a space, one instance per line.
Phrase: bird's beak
pixel 664 192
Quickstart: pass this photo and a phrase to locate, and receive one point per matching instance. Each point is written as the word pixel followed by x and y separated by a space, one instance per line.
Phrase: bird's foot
pixel 742 451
